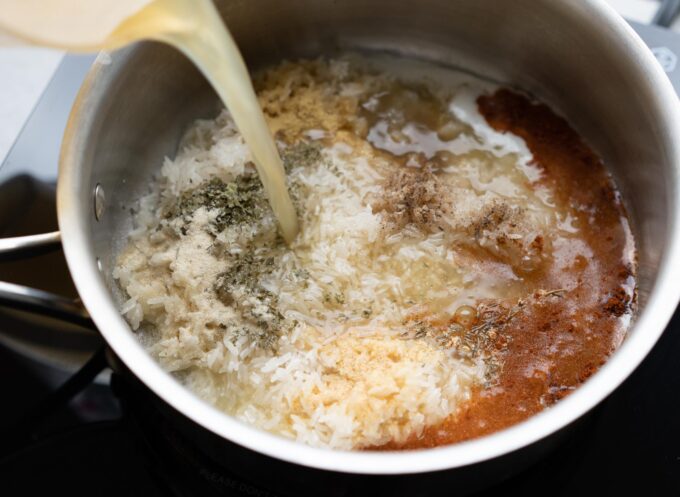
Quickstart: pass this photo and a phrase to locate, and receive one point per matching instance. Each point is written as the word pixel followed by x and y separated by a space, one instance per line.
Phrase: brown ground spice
pixel 413 196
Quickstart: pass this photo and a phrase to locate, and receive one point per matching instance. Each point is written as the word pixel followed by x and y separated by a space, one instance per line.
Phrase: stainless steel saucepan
pixel 578 55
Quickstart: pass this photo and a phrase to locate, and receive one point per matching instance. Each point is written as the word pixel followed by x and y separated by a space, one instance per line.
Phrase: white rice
pixel 341 376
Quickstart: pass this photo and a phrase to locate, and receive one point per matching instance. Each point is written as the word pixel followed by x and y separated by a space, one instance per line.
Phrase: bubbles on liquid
pixel 465 315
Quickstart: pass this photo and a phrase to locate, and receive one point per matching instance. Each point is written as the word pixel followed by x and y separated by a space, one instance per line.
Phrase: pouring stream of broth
pixel 192 26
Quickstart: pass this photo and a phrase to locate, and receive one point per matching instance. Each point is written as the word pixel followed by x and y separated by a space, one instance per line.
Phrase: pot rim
pixel 663 299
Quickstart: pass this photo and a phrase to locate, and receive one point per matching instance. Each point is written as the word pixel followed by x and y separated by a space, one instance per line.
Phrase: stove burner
pixel 175 461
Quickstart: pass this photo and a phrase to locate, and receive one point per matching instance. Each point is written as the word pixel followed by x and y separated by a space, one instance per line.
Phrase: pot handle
pixel 21 247
pixel 45 303
pixel 31 299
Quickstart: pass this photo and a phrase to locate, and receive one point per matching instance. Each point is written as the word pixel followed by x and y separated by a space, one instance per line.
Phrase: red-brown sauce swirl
pixel 557 341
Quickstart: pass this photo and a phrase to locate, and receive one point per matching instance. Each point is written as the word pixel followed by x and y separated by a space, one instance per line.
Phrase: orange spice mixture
pixel 554 341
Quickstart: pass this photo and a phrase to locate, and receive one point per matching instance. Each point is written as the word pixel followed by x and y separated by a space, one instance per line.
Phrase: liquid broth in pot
pixel 464 259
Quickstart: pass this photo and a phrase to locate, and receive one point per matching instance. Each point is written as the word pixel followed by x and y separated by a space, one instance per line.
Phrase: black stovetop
pixel 630 444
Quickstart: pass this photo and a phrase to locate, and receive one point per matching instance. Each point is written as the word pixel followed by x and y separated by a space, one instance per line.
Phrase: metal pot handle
pixel 21 247
pixel 31 299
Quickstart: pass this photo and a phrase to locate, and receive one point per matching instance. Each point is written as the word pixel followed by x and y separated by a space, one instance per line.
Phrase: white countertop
pixel 26 71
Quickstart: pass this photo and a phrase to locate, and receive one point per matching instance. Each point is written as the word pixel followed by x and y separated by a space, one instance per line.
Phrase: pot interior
pixel 141 102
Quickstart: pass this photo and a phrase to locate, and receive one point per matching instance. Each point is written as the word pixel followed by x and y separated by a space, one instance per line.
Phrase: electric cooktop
pixel 102 443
